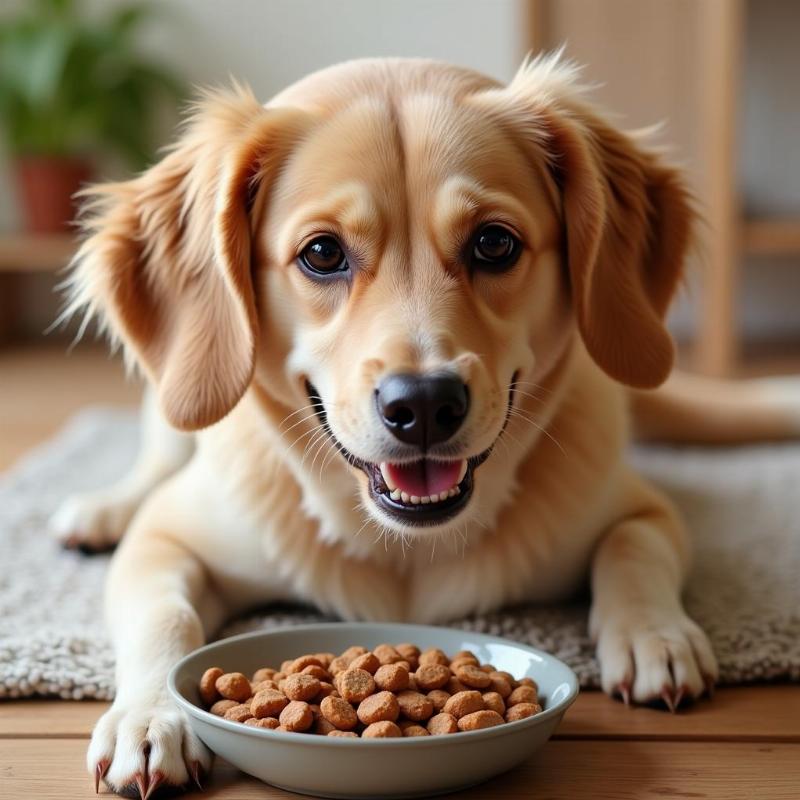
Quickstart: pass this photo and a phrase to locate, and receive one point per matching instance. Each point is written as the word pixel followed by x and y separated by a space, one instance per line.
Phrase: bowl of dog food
pixel 359 710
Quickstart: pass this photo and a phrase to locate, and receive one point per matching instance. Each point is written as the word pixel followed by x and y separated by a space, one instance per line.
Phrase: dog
pixel 393 323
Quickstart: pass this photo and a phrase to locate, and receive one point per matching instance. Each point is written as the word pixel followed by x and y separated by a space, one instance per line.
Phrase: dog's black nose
pixel 422 409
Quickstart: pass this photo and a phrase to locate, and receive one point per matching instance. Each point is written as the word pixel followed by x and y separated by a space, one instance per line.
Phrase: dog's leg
pixel 158 608
pixel 647 646
pixel 97 520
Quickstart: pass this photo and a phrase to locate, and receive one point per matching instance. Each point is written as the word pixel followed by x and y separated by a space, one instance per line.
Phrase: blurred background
pixel 91 89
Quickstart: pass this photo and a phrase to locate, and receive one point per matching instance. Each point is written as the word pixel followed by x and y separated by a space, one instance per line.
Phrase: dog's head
pixel 398 253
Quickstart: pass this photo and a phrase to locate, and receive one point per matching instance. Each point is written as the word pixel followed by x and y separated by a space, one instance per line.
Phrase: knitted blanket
pixel 742 505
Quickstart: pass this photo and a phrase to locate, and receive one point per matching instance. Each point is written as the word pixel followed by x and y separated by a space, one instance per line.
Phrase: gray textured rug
pixel 743 506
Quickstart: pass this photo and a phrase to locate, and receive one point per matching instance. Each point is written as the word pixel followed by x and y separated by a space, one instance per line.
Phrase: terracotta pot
pixel 46 186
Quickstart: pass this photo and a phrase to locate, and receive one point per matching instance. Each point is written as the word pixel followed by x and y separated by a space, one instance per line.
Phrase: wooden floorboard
pixel 562 770
pixel 739 714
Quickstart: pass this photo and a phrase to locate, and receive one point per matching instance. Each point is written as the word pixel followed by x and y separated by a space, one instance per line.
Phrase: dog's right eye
pixel 324 256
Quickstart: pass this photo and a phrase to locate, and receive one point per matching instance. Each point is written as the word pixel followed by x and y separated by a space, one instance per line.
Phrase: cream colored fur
pixel 191 266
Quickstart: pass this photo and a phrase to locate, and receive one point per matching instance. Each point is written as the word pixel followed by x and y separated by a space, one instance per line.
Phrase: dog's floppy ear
pixel 627 218
pixel 166 264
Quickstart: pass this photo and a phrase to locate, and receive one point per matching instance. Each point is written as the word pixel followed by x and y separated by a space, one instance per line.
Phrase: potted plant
pixel 72 89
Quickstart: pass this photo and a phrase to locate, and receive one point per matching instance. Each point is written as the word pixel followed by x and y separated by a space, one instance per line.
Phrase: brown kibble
pixel 507 675
pixel 234 686
pixel 267 722
pixel 296 716
pixel 412 683
pixel 325 690
pixel 338 665
pixel 386 654
pixel 286 666
pixel 299 664
pixel 473 677
pixel 339 713
pixel 262 686
pixel 208 686
pixel 278 677
pixel 268 703
pixel 410 653
pixel 415 730
pixel 528 682
pixel 239 713
pixel 500 684
pixel 415 706
pixel 378 707
pixel 494 702
pixel 488 668
pixel 300 687
pixel 392 677
pixel 366 661
pixel 478 720
pixel 441 724
pixel 353 652
pixel 463 660
pixel 466 654
pixel 355 684
pixel 283 729
pixel 464 703
pixel 325 658
pixel 438 697
pixel 432 676
pixel 221 706
pixel 522 711
pixel 263 674
pixel 454 686
pixel 317 672
pixel 381 730
pixel 522 694
pixel 343 734
pixel 433 655
pixel 323 727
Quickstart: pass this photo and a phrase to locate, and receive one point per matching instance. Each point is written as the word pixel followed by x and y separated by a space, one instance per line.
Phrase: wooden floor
pixel 742 745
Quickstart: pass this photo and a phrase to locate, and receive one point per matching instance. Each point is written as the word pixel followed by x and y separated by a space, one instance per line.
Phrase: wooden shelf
pixel 27 252
pixel 772 237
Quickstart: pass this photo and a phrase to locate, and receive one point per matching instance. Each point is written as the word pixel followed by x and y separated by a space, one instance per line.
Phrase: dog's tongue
pixel 424 477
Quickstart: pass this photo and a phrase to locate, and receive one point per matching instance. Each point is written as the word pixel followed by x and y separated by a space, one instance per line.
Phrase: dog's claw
pixel 140 779
pixel 669 700
pixel 100 773
pixel 679 696
pixel 710 685
pixel 625 693
pixel 197 774
pixel 156 779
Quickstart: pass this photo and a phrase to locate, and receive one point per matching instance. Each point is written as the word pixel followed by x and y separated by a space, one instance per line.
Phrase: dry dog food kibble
pixel 388 692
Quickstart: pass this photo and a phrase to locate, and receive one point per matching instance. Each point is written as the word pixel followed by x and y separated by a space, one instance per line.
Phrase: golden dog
pixel 399 305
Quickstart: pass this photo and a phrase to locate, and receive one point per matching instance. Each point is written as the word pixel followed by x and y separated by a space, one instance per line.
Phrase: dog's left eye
pixel 324 256
pixel 494 247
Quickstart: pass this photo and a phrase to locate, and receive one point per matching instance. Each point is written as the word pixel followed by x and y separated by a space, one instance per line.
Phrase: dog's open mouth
pixel 424 492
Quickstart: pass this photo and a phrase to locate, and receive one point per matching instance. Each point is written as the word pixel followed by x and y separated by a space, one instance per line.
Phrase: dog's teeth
pixel 434 498
pixel 404 497
pixel 414 499
pixel 395 494
pixel 425 500
pixel 443 495
pixel 457 490
pixel 385 475
pixel 462 472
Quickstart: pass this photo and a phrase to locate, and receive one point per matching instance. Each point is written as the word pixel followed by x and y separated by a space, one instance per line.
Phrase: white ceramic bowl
pixel 362 768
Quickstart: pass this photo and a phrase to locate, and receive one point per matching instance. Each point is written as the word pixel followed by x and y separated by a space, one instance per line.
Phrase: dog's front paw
pixel 138 749
pixel 92 522
pixel 648 656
